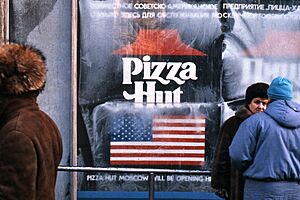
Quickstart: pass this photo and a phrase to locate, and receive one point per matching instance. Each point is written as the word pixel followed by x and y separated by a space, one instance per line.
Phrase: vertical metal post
pixel 73 135
pixel 151 186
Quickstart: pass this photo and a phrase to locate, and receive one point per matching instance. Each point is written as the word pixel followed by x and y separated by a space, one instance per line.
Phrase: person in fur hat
pixel 30 142
pixel 228 181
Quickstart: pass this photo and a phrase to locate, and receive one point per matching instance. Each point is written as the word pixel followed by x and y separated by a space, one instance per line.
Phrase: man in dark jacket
pixel 228 181
pixel 266 147
pixel 30 142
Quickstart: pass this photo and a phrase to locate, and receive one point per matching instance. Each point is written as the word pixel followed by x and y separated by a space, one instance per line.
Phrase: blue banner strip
pixel 94 195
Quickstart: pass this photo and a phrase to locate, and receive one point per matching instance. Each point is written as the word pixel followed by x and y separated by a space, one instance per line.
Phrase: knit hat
pixel 256 90
pixel 281 88
pixel 22 69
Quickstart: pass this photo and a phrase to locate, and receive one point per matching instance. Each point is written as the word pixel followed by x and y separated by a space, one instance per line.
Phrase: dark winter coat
pixel 223 175
pixel 30 151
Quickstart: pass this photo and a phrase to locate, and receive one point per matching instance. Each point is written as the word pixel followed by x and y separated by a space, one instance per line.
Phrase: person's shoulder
pixel 256 118
pixel 293 105
pixel 232 120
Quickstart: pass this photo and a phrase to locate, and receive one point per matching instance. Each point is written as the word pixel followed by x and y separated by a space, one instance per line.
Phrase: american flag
pixel 176 140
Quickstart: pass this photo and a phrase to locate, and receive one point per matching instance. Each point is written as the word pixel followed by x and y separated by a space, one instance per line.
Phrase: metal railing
pixel 149 171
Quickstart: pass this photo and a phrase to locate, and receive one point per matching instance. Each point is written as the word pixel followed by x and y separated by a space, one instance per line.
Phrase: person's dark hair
pixel 256 90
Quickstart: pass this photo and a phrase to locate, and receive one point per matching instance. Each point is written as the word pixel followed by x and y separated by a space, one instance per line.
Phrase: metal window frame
pixel 73 136
pixel 4 22
pixel 74 169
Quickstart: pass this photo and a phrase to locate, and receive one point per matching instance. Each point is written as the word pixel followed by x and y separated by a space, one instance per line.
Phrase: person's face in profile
pixel 258 104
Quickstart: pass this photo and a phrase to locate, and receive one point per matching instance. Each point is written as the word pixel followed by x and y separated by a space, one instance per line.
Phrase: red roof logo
pixel 158 42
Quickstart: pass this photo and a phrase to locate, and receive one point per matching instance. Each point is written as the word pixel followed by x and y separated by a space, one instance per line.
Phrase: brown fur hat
pixel 22 69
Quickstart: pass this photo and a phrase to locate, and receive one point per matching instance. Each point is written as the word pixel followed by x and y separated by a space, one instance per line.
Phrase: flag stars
pixel 130 127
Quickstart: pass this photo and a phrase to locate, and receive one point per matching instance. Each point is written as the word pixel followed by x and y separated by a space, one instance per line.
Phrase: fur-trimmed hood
pixel 22 69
